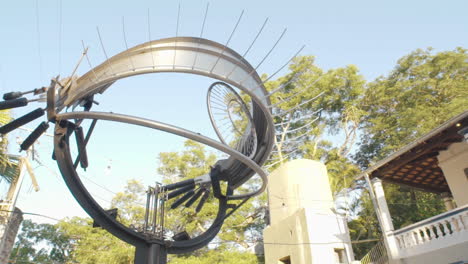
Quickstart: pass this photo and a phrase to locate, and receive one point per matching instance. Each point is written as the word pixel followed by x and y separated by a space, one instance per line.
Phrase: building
pixel 304 227
pixel 436 162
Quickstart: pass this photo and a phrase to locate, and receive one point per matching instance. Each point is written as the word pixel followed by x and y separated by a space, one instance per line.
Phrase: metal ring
pixel 176 131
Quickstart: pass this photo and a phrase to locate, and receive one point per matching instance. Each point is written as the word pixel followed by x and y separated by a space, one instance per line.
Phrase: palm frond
pixel 9 170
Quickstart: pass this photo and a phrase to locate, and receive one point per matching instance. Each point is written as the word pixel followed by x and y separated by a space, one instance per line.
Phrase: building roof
pixel 416 164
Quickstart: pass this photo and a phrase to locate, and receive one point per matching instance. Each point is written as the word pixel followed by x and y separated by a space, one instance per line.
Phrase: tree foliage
pixel 41 244
pixel 8 165
pixel 242 227
pixel 329 106
pixel 423 91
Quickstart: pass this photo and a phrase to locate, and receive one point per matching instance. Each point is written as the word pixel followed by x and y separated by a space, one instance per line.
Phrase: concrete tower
pixel 304 227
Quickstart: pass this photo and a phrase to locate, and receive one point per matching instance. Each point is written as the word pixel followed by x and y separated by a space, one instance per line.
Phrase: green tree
pixel 95 245
pixel 244 225
pixel 324 104
pixel 8 165
pixel 41 244
pixel 423 91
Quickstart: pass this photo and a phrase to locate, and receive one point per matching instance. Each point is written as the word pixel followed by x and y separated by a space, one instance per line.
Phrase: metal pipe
pixel 148 201
pixel 176 131
pixel 155 207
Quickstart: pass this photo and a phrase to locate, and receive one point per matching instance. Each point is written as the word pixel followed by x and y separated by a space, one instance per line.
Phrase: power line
pixel 103 187
pixel 27 213
pixel 38 32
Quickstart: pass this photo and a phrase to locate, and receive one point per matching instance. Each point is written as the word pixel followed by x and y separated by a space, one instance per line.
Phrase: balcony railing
pixel 440 231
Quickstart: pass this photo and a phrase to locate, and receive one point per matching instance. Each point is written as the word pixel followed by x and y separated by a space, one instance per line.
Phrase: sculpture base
pixel 150 254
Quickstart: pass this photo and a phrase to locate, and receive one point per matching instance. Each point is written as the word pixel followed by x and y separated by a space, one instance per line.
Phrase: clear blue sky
pixel 370 34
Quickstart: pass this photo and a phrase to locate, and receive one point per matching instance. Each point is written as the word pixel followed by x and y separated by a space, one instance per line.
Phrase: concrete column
pixel 387 223
pixel 448 201
pixel 454 162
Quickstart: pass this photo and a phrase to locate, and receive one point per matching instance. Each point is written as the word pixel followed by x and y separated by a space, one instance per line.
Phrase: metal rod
pixel 85 51
pixel 234 209
pixel 201 35
pixel 293 78
pixel 301 127
pixel 297 106
pixel 284 65
pixel 227 42
pixel 251 45
pixel 163 201
pixel 301 135
pixel 301 118
pixel 149 38
pixel 177 34
pixel 266 56
pixel 177 131
pixel 289 97
pixel 155 195
pixel 282 100
pixel 104 50
pixel 126 44
pixel 89 62
pixel 148 201
pixel 88 136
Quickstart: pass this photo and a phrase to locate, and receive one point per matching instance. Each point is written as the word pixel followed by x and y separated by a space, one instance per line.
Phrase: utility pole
pixel 10 216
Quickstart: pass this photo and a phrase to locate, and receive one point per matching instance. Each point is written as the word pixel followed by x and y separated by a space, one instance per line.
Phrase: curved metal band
pixel 176 131
pixel 183 55
pixel 84 198
pixel 171 55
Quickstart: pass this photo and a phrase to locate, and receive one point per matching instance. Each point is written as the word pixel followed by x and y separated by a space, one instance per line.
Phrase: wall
pixel 288 238
pixel 453 254
pixel 453 161
pixel 299 184
pixel 303 224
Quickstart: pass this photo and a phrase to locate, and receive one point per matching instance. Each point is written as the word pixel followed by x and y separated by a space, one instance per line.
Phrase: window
pixel 340 256
pixel 285 260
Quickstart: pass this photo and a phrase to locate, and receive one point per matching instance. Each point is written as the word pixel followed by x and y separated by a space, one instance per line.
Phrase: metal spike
pixel 282 86
pixel 149 38
pixel 284 65
pixel 248 49
pixel 126 44
pixel 201 35
pixel 85 49
pixel 282 100
pixel 266 56
pixel 300 118
pixel 301 127
pixel 177 34
pixel 227 42
pixel 299 105
pixel 105 53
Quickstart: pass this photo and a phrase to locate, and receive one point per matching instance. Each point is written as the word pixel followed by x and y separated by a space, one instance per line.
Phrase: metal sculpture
pixel 238 95
pixel 180 54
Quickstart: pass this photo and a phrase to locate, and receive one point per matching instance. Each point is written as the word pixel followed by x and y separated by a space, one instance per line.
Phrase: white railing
pixel 436 232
